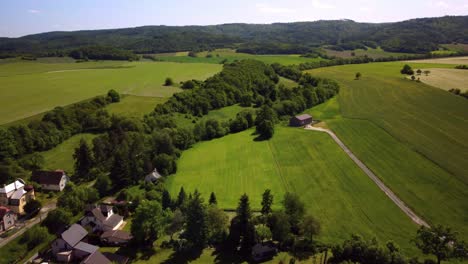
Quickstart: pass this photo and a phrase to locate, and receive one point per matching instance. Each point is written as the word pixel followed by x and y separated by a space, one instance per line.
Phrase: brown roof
pixel 48 177
pixel 303 117
pixel 116 236
pixel 113 220
pixel 3 211
pixel 74 234
pixel 116 258
pixel 96 258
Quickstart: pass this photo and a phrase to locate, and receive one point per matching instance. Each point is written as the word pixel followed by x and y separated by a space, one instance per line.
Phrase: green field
pixel 372 53
pixel 309 163
pixel 61 157
pixel 411 135
pixel 135 106
pixel 218 56
pixel 30 88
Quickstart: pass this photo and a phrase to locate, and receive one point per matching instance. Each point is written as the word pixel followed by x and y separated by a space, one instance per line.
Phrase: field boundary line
pixel 397 201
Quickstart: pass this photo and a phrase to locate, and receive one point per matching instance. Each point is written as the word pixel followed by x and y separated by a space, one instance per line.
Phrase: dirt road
pixel 418 220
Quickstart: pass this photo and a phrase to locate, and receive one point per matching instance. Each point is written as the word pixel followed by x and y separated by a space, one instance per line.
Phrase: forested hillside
pixel 415 36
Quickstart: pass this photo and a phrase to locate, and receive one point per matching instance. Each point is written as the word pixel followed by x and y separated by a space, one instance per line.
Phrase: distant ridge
pixel 416 36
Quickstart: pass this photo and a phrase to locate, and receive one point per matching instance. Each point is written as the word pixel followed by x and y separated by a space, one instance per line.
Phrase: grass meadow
pixel 31 88
pixel 309 163
pixel 218 56
pixel 372 53
pixel 413 136
pixel 61 157
pixel 134 106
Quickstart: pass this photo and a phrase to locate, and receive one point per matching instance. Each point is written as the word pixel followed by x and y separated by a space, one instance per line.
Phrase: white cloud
pixel 34 11
pixel 320 5
pixel 266 8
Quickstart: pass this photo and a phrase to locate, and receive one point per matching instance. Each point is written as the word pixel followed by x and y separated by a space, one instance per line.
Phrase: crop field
pixel 372 53
pixel 219 56
pixel 446 79
pixel 61 157
pixel 135 106
pixel 31 88
pixel 306 162
pixel 398 128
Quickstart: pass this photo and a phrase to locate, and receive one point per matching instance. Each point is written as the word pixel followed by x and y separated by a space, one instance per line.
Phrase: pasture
pixel 134 106
pixel 61 157
pixel 446 79
pixel 31 88
pixel 309 163
pixel 410 134
pixel 218 56
pixel 370 52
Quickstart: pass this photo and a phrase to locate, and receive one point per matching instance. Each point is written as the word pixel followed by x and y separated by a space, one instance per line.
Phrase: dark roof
pixel 3 212
pixel 96 258
pixel 86 247
pixel 74 234
pixel 303 117
pixel 48 177
pixel 106 208
pixel 116 258
pixel 113 220
pixel 116 236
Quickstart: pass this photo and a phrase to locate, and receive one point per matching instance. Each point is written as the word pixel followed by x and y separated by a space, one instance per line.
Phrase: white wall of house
pixel 56 187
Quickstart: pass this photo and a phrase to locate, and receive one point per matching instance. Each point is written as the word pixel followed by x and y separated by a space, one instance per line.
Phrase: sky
pixel 23 17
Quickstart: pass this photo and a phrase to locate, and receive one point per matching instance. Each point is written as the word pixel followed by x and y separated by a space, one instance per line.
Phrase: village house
pixel 51 180
pixel 70 247
pixel 101 218
pixel 300 120
pixel 16 195
pixel 7 218
pixel 153 176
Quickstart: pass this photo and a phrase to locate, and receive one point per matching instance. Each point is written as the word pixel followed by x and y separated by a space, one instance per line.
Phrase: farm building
pixel 300 120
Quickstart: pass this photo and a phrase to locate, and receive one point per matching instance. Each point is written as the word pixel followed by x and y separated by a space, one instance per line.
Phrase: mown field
pixel 446 79
pixel 309 163
pixel 413 136
pixel 30 88
pixel 218 56
pixel 61 157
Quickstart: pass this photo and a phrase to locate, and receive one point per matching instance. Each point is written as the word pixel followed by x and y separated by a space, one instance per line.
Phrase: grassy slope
pixel 372 53
pixel 419 115
pixel 231 55
pixel 394 126
pixel 61 157
pixel 295 160
pixel 135 106
pixel 31 88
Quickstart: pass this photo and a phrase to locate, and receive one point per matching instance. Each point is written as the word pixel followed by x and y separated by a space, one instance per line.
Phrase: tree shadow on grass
pixel 183 256
pixel 225 254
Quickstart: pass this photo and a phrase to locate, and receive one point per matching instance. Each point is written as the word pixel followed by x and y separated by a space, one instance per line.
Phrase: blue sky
pixel 22 17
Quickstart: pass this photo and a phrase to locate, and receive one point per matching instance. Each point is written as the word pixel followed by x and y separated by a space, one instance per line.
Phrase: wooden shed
pixel 300 120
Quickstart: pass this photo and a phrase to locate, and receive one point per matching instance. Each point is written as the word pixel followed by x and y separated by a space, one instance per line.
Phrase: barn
pixel 300 120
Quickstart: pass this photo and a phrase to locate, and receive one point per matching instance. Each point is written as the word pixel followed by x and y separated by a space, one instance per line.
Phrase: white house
pixel 153 176
pixel 101 218
pixel 51 180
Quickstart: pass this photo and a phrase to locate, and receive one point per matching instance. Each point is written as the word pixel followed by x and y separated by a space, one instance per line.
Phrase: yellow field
pixel 452 60
pixel 446 79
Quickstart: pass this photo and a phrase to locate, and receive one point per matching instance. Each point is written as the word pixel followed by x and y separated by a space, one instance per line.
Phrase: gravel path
pixel 418 220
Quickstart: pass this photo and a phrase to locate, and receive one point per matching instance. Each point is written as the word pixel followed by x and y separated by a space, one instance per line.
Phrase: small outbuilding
pixel 262 252
pixel 153 176
pixel 300 120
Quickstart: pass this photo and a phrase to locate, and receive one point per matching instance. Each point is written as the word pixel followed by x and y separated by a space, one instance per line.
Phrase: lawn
pixel 135 106
pixel 30 88
pixel 413 137
pixel 309 163
pixel 221 55
pixel 61 157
